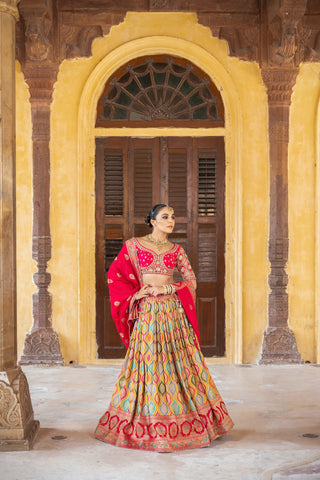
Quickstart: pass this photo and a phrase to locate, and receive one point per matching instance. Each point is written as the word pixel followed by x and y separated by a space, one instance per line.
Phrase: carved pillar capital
pixel 279 83
pixel 10 7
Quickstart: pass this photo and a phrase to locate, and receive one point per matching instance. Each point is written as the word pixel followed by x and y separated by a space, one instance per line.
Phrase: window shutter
pixel 113 203
pixel 207 253
pixel 207 184
pixel 113 183
pixel 142 179
pixel 178 171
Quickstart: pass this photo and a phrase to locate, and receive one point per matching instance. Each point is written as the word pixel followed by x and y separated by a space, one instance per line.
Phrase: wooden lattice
pixel 159 89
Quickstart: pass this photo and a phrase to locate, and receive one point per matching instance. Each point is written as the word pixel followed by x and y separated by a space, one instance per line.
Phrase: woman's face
pixel 164 221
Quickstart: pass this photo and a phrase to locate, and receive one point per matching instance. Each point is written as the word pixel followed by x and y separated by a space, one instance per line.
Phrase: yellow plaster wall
pixel 26 267
pixel 302 209
pixel 72 178
pixel 255 201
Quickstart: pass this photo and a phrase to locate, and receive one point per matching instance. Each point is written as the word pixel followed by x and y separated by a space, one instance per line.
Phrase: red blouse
pixel 164 263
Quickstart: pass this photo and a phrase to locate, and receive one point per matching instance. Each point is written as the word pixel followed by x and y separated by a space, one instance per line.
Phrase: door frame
pixel 86 186
pixel 209 291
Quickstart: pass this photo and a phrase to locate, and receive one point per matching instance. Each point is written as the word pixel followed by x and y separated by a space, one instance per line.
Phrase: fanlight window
pixel 160 89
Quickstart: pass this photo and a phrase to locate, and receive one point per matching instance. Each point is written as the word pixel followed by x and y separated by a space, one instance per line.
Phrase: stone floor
pixel 275 410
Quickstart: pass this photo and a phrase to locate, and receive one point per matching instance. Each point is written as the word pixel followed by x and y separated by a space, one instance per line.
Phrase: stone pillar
pixel 279 344
pixel 17 425
pixel 41 343
pixel 279 71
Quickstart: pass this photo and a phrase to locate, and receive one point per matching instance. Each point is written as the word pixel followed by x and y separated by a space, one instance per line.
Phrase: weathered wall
pixel 25 265
pixel 302 187
pixel 79 84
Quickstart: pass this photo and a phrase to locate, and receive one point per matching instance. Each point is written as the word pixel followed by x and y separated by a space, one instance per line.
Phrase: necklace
pixel 159 243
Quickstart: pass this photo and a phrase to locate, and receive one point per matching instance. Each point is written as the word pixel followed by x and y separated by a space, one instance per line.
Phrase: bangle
pixel 169 289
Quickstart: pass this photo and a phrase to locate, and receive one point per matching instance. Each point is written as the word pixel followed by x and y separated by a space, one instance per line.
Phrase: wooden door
pixel 132 174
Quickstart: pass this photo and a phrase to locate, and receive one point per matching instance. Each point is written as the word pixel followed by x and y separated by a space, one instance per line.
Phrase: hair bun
pixel 147 220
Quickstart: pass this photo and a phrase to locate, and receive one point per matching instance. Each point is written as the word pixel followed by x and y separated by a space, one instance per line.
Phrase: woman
pixel 165 398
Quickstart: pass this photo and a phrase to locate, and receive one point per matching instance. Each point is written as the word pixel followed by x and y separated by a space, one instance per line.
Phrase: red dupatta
pixel 125 279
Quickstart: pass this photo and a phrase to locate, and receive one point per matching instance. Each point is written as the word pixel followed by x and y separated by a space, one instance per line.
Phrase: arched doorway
pixel 186 172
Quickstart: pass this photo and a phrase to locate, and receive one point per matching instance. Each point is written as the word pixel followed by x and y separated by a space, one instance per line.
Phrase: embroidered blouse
pixel 164 263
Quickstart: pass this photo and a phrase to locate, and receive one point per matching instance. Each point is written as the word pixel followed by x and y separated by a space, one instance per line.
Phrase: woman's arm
pixel 184 267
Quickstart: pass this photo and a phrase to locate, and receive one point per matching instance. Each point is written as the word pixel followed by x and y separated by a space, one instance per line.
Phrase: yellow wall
pixel 26 267
pixel 304 135
pixel 78 87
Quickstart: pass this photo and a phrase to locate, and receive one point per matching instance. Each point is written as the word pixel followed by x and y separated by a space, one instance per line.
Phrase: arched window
pixel 162 90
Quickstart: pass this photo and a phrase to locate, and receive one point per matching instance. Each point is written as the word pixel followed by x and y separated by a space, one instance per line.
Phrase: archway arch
pixel 158 45
pixel 160 91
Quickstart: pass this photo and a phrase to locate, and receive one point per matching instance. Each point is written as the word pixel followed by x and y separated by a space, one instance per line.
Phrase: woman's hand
pixel 155 291
pixel 143 292
pixel 147 290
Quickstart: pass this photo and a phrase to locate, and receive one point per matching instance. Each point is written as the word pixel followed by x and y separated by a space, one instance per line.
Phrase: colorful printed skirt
pixel 165 398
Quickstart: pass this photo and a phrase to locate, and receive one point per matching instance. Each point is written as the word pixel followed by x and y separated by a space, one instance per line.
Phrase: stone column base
pixel 41 347
pixel 18 429
pixel 279 347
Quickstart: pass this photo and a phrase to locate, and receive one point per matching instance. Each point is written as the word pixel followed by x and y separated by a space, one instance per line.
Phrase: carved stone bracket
pixel 282 34
pixel 17 425
pixel 38 21
pixel 241 32
pixel 243 42
pixel 309 48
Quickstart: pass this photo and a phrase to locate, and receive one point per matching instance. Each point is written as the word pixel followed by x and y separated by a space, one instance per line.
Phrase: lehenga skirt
pixel 165 398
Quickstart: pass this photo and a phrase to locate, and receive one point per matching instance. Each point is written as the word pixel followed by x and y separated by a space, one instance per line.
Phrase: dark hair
pixel 153 213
